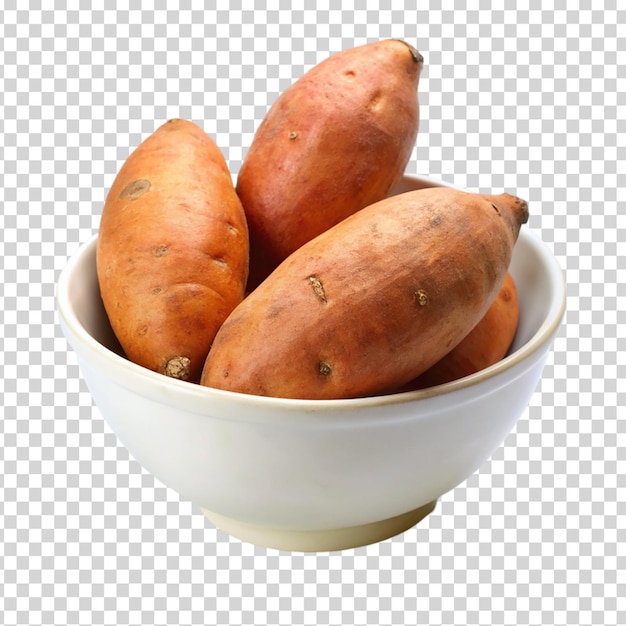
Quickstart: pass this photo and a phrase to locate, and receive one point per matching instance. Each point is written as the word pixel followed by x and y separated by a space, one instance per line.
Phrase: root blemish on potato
pixel 161 250
pixel 293 135
pixel 178 367
pixel 375 102
pixel 421 297
pixel 318 288
pixel 324 368
pixel 136 189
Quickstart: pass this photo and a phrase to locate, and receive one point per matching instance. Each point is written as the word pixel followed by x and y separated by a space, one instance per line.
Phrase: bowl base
pixel 322 540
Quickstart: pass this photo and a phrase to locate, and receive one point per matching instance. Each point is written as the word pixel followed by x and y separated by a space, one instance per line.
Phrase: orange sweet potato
pixel 372 302
pixel 335 141
pixel 173 251
pixel 487 343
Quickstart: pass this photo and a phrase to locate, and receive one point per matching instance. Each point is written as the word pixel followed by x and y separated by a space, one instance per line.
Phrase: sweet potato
pixel 487 343
pixel 333 142
pixel 173 250
pixel 372 302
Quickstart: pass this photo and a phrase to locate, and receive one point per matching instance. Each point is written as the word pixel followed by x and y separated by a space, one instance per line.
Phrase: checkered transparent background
pixel 529 98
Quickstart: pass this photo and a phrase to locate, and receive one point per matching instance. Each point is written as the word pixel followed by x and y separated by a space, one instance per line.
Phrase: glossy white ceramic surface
pixel 280 467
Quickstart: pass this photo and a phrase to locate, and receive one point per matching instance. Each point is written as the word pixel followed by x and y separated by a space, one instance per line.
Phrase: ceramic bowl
pixel 314 475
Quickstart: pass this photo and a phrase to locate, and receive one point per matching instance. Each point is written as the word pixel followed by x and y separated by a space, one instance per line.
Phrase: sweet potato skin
pixel 333 142
pixel 173 251
pixel 373 302
pixel 487 343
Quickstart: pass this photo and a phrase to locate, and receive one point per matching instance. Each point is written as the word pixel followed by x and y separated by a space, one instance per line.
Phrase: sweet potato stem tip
pixel 523 207
pixel 417 56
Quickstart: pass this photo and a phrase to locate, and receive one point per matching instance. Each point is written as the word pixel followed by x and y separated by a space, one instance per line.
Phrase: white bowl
pixel 314 475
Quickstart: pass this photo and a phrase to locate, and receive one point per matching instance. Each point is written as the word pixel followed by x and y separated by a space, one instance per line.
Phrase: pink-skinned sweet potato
pixel 173 250
pixel 373 302
pixel 332 143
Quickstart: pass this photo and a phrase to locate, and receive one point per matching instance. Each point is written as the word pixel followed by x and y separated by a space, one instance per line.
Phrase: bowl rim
pixel 540 338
